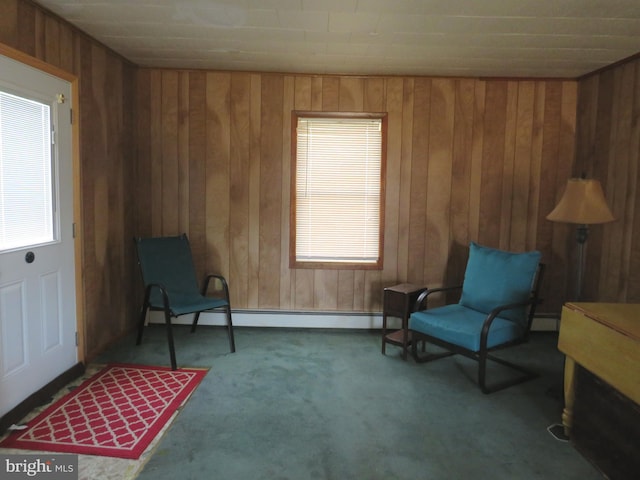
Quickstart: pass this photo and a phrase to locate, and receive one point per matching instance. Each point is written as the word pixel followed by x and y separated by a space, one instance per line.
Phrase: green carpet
pixel 315 404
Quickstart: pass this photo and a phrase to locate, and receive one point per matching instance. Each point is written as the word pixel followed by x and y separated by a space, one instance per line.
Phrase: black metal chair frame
pixel 169 313
pixel 483 354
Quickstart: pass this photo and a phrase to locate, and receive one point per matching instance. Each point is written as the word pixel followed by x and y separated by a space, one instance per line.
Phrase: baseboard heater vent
pixel 292 319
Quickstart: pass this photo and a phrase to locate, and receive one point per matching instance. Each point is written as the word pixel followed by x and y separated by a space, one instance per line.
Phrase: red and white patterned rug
pixel 115 413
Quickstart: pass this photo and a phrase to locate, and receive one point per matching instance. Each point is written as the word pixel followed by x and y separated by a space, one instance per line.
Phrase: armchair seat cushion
pixel 462 326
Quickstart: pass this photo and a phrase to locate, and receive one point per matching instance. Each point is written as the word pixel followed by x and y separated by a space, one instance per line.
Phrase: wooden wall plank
pixel 90 130
pixel 351 94
pixel 197 161
pixel 374 97
pixel 547 237
pixel 272 124
pixel 330 94
pixel 182 151
pixel 419 168
pixel 239 186
pixel 217 172
pixel 493 154
pixel 143 163
pixel 317 92
pixel 65 37
pixel 9 22
pixel 100 175
pixel 617 185
pixel 404 197
pixel 39 34
pixel 255 187
pixel 346 291
pixel 155 173
pixel 27 28
pixel 119 240
pixel 127 108
pixel 170 184
pixel 521 180
pixel 52 40
pixel 508 162
pixel 439 175
pixel 476 160
pixel 535 168
pixel 462 155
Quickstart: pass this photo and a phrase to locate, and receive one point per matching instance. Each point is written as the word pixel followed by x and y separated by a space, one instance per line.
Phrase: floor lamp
pixel 582 203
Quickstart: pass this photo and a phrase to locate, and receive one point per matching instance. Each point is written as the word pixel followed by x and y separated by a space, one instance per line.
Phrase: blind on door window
pixel 338 190
pixel 26 197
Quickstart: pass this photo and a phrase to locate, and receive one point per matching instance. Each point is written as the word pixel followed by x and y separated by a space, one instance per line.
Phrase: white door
pixel 37 274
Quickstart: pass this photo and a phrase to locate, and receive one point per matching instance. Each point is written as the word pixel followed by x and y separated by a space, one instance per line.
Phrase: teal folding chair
pixel 497 304
pixel 171 286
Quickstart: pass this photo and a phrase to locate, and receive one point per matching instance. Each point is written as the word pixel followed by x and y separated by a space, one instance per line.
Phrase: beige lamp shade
pixel 583 203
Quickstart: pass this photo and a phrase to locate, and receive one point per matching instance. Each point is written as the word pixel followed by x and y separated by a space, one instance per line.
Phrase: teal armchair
pixel 498 299
pixel 171 286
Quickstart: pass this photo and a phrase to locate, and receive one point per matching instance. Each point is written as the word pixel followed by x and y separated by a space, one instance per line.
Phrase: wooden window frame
pixel 342 265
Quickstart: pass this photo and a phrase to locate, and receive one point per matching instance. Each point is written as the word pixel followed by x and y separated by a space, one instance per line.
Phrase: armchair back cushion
pixel 497 277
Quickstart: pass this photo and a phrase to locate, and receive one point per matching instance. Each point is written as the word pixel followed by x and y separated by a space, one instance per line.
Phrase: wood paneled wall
pixel 608 149
pixel 107 162
pixel 468 159
pixel 208 153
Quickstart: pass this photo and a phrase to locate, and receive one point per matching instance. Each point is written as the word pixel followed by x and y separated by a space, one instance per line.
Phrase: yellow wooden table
pixel 604 338
pixel 602 384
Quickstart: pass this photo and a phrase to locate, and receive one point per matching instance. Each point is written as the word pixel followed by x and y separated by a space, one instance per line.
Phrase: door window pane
pixel 26 196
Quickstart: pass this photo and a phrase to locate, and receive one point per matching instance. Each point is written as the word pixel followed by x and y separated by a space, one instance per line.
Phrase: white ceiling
pixel 513 38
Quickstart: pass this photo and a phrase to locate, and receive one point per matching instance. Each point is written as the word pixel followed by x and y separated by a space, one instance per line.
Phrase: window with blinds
pixel 338 190
pixel 26 195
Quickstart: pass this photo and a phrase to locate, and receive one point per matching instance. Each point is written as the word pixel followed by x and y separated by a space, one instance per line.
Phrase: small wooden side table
pixel 399 301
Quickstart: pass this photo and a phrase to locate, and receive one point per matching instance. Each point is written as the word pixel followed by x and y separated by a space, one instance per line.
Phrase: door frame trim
pixel 77 181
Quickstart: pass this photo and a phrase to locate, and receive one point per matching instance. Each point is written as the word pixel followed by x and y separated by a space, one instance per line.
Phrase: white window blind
pixel 26 199
pixel 338 190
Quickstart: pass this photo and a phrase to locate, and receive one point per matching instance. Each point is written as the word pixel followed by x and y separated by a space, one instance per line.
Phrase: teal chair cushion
pixel 496 277
pixel 461 326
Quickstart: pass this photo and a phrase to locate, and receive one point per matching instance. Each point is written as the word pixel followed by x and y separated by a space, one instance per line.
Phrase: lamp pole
pixel 582 233
pixel 582 204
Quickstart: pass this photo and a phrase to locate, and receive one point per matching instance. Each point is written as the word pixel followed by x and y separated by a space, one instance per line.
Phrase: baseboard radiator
pixel 332 320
